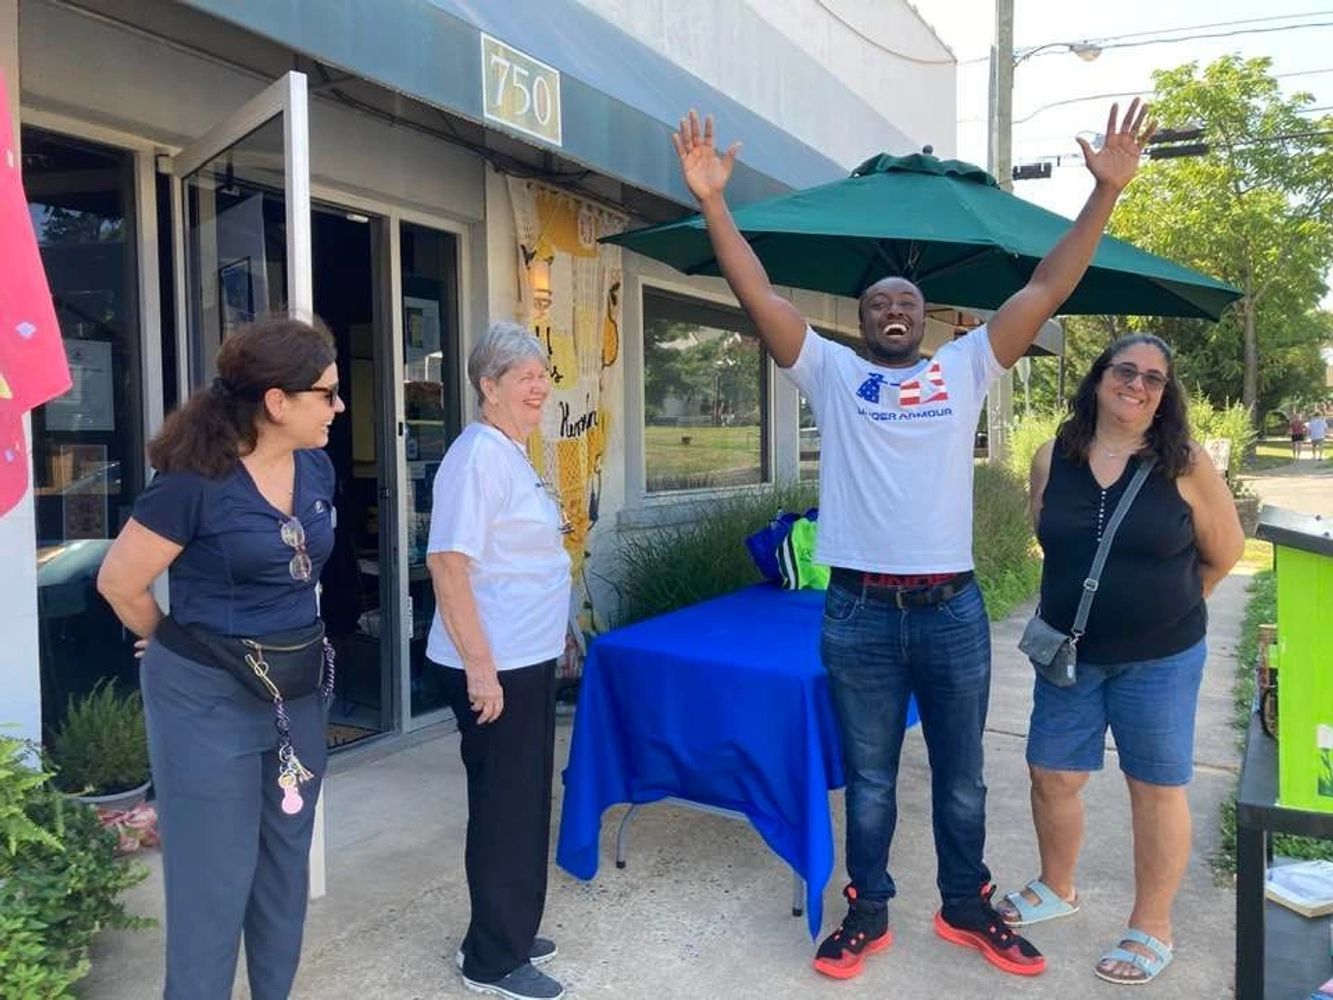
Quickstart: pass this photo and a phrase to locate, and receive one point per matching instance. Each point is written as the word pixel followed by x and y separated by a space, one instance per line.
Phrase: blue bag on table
pixel 765 542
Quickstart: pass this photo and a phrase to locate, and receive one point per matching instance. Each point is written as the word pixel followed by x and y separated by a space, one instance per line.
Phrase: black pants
pixel 509 765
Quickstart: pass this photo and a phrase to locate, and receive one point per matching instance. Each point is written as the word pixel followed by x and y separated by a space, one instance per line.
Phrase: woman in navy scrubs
pixel 240 517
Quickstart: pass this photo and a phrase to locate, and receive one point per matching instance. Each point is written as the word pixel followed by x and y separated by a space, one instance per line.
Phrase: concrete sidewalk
pixel 703 908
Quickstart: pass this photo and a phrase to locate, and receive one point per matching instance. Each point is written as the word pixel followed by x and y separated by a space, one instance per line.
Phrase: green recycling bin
pixel 1303 562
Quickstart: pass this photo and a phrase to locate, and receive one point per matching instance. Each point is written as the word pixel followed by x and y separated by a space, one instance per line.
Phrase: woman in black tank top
pixel 1142 654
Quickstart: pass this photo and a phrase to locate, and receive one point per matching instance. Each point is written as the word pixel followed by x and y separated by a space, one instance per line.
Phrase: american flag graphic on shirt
pixel 928 387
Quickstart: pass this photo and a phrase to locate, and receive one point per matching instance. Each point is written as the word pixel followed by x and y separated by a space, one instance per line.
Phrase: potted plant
pixel 60 879
pixel 100 750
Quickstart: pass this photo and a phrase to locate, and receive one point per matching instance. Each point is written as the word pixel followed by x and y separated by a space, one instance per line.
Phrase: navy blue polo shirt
pixel 233 575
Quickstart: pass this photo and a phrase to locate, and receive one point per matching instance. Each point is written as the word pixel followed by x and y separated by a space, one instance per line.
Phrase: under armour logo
pixel 869 390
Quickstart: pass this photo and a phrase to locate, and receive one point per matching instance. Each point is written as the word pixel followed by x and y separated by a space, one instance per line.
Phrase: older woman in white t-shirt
pixel 502 590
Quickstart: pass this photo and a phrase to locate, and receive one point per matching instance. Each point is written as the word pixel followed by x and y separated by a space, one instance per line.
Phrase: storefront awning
pixel 620 99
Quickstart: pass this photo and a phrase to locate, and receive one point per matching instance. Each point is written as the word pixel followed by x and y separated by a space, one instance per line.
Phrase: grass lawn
pixel 1269 453
pixel 713 453
pixel 1258 555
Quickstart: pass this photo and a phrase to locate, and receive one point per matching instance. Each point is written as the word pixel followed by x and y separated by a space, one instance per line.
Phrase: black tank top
pixel 1149 601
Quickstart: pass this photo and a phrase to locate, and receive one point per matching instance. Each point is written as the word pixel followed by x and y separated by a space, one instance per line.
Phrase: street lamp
pixel 1003 58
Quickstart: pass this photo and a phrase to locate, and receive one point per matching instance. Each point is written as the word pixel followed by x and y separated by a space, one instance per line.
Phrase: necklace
pixel 566 525
pixel 1116 454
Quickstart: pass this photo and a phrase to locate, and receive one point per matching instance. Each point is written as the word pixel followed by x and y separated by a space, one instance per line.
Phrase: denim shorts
pixel 1148 704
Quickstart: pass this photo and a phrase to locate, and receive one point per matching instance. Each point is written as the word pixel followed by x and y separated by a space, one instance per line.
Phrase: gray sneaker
pixel 543 950
pixel 524 983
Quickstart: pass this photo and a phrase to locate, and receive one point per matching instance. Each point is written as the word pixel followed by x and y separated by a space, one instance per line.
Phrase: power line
pixel 1140 93
pixel 884 48
pixel 1075 158
pixel 1188 27
pixel 1217 34
pixel 1218 24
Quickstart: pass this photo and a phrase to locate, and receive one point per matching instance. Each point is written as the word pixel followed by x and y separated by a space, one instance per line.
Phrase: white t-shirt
pixel 1318 428
pixel 895 462
pixel 491 506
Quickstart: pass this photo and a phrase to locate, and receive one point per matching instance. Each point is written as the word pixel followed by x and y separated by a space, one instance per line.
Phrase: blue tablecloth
pixel 724 703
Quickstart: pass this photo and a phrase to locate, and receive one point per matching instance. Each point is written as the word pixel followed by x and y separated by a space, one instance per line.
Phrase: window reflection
pixel 705 408
pixel 87 443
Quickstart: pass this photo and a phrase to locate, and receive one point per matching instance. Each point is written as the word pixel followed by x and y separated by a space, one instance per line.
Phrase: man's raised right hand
pixel 706 173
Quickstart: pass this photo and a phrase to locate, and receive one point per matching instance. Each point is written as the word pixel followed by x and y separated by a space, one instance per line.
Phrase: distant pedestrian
pixel 1318 431
pixel 1298 431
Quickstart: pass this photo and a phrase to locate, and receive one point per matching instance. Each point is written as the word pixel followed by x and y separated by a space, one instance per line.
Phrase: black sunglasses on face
pixel 1125 373
pixel 329 392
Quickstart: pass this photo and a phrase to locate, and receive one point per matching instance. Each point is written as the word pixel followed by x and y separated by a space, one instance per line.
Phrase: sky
pixel 967 27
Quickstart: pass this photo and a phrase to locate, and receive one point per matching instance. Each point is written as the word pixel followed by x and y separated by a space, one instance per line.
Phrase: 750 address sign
pixel 520 91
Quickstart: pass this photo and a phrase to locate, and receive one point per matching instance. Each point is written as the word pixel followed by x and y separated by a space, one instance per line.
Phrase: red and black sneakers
pixel 977 924
pixel 864 931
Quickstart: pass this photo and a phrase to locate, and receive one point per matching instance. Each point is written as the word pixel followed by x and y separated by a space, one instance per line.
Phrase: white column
pixel 20 675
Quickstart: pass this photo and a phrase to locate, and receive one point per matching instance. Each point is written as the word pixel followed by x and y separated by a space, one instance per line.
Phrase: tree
pixel 1256 211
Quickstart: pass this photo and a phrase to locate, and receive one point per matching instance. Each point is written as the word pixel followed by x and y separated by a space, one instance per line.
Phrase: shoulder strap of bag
pixel 1104 549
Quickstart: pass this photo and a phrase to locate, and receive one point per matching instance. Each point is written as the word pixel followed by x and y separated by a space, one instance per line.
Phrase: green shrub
pixel 102 746
pixel 1233 423
pixel 662 569
pixel 1008 567
pixel 60 882
pixel 1207 421
pixel 1026 435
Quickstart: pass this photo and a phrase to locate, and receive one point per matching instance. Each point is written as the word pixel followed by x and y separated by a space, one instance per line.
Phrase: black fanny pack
pixel 280 666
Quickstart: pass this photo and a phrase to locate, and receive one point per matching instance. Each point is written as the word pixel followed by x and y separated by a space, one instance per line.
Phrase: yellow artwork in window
pixel 569 287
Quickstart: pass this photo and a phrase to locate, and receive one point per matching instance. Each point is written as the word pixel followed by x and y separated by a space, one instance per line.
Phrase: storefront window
pixel 808 441
pixel 705 404
pixel 88 443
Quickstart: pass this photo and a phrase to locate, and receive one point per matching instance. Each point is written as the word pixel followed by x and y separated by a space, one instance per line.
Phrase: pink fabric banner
pixel 33 368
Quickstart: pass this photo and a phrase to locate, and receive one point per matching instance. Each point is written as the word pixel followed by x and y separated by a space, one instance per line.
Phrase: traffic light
pixel 1172 143
pixel 1176 135
pixel 1032 171
pixel 1172 152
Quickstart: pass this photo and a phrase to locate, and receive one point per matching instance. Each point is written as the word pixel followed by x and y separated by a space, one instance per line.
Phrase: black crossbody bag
pixel 1054 653
pixel 278 666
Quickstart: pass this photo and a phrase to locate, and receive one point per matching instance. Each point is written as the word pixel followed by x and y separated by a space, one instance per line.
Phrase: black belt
pixel 902 597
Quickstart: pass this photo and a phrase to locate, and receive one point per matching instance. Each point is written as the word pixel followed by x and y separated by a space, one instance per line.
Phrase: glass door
pixel 432 412
pixel 242 225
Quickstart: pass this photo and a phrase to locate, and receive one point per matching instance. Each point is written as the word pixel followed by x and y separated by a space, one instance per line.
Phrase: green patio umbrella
pixel 943 223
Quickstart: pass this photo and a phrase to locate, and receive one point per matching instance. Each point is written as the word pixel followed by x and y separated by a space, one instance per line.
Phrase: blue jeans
pixel 878 656
pixel 1149 706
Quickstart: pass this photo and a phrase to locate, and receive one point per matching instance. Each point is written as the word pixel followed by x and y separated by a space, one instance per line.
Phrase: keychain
pixel 291 772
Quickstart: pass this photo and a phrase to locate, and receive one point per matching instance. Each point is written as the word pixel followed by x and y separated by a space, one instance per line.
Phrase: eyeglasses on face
pixel 329 392
pixel 1126 372
pixel 293 534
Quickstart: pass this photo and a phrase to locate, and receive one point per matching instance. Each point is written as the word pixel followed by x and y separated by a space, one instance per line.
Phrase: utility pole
pixel 1002 95
pixel 1000 399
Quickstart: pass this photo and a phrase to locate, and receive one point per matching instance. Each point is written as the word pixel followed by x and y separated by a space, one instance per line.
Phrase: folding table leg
pixel 797 895
pixel 622 835
pixel 1251 857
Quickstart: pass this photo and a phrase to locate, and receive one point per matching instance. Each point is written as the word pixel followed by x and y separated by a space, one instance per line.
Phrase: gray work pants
pixel 232 861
